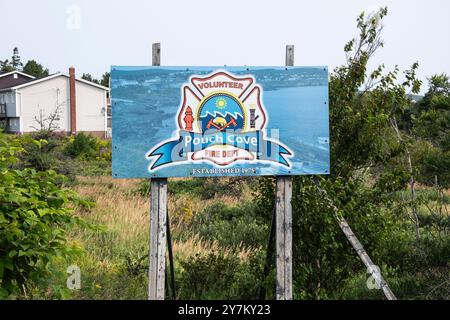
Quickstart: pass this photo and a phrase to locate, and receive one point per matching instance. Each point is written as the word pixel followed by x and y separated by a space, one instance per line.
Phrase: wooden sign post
pixel 283 211
pixel 158 222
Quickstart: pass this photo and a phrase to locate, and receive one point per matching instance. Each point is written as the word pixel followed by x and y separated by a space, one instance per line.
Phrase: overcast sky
pixel 231 32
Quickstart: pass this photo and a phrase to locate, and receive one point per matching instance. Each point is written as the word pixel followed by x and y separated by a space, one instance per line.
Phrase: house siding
pixel 41 100
pixel 91 108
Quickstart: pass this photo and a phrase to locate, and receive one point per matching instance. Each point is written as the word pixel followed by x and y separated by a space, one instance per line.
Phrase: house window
pixel 15 76
pixel 13 124
pixel 3 109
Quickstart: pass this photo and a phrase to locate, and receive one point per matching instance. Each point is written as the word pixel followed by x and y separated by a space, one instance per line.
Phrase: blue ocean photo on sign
pixel 219 121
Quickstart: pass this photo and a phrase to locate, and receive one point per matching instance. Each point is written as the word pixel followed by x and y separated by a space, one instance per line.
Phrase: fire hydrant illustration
pixel 188 118
pixel 253 119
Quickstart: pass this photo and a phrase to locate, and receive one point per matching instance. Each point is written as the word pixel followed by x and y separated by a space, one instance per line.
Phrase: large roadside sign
pixel 219 121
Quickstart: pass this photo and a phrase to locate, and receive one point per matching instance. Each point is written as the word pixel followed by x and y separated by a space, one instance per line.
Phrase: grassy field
pixel 220 229
pixel 115 260
pixel 217 251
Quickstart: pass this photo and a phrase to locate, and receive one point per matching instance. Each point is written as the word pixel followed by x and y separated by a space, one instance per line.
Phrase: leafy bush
pixel 83 146
pixel 42 151
pixel 231 226
pixel 431 163
pixel 105 150
pixel 34 214
pixel 220 276
pixel 80 155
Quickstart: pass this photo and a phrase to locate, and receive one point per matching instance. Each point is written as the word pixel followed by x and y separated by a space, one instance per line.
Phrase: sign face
pixel 215 121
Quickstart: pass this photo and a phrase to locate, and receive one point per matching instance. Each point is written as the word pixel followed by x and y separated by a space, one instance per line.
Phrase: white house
pixel 60 101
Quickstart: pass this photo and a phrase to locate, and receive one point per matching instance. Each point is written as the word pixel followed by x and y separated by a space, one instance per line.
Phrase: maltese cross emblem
pixel 221 120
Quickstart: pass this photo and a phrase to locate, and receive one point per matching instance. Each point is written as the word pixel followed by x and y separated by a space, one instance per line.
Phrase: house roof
pixel 14 78
pixel 16 72
pixel 55 75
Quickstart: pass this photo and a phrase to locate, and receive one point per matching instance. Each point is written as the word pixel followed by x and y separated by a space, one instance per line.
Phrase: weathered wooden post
pixel 158 222
pixel 283 210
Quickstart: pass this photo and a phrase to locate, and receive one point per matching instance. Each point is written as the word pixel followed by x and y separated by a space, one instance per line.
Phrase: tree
pixel 439 84
pixel 430 123
pixel 49 123
pixel 15 60
pixel 432 117
pixel 35 69
pixel 105 79
pixel 88 77
pixel 368 165
pixel 6 66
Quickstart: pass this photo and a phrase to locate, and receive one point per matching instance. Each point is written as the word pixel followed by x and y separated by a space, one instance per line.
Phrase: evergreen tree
pixel 6 66
pixel 35 69
pixel 15 60
pixel 88 77
pixel 105 79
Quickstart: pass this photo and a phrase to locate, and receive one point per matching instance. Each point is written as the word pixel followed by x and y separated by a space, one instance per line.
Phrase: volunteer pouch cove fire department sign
pixel 221 120
pixel 205 121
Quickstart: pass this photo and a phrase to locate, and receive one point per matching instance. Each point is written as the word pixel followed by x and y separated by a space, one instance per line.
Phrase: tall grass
pixel 116 258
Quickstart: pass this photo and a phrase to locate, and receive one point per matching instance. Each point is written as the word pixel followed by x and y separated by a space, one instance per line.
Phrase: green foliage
pixel 40 151
pixel 433 124
pixel 13 64
pixel 15 59
pixel 83 146
pixel 105 150
pixel 205 188
pixel 369 168
pixel 220 276
pixel 431 163
pixel 34 214
pixel 231 226
pixel 429 124
pixel 35 69
pixel 323 259
pixel 105 79
pixel 88 77
pixel 46 150
pixel 6 66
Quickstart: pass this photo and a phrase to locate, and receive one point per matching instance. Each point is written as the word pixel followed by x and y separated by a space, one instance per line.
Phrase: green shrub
pixel 44 155
pixel 83 146
pixel 431 163
pixel 34 215
pixel 220 276
pixel 48 154
pixel 231 226
pixel 105 150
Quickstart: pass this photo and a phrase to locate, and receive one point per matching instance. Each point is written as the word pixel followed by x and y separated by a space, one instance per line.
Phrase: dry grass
pixel 196 246
pixel 126 217
pixel 123 214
